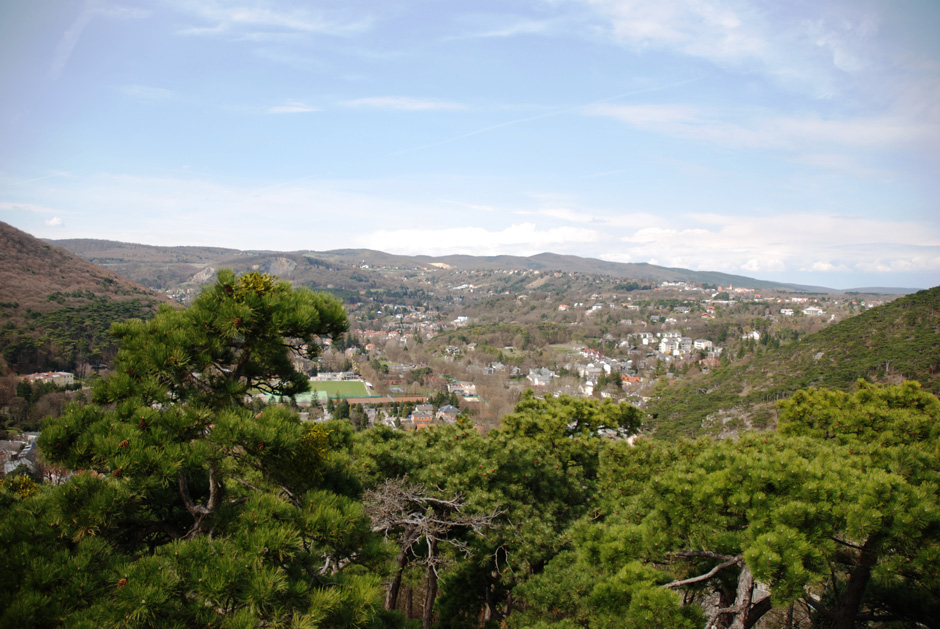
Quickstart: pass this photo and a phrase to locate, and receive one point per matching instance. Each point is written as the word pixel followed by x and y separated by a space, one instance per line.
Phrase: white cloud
pixel 826 266
pixel 307 213
pixel 812 48
pixel 513 27
pixel 522 239
pixel 401 103
pixel 845 53
pixel 292 107
pixel 763 130
pixel 928 261
pixel 774 244
pixel 755 265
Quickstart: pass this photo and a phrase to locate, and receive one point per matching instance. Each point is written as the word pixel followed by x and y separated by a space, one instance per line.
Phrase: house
pixel 14 454
pixel 589 372
pixel 669 345
pixel 422 416
pixel 58 378
pixel 540 377
pixel 464 389
pixel 813 311
pixel 448 413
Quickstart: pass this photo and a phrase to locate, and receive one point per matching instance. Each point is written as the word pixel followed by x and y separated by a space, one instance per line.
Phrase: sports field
pixel 339 389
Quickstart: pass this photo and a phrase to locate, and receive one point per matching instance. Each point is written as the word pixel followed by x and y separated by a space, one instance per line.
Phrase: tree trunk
pixel 391 593
pixel 199 512
pixel 430 594
pixel 742 602
pixel 488 609
pixel 409 602
pixel 725 601
pixel 855 588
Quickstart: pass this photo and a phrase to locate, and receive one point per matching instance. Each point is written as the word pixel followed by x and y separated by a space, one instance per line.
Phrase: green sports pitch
pixel 324 391
pixel 342 389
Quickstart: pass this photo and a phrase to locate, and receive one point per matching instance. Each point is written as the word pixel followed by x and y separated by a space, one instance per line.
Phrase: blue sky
pixel 791 140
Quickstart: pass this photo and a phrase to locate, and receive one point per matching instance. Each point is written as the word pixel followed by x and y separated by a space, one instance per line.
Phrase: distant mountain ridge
pixel 178 263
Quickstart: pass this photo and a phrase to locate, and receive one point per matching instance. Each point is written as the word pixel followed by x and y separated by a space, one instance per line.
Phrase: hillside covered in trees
pixel 187 507
pixel 891 343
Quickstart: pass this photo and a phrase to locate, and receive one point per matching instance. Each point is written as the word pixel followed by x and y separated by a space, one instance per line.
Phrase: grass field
pixel 340 389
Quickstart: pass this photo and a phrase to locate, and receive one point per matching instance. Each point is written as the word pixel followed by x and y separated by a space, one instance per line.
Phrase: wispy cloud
pixel 242 20
pixel 90 9
pixel 503 26
pixel 15 207
pixel 549 114
pixel 292 107
pixel 763 129
pixel 55 221
pixel 471 206
pixel 769 38
pixel 59 173
pixel 402 103
pixel 70 38
pixel 147 92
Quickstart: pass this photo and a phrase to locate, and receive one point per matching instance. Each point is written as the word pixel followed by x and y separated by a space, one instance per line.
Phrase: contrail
pixel 546 115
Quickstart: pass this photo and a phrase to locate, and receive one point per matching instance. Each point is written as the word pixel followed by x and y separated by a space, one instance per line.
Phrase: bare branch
pixel 708 575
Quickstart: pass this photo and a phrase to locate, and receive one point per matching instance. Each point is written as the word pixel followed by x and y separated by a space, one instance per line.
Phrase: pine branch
pixel 708 575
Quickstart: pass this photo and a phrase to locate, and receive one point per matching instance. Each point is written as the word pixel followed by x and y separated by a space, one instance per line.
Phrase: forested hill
pixel 896 341
pixel 56 308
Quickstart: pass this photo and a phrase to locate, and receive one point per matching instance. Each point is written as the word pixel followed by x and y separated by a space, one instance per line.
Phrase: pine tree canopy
pixel 185 508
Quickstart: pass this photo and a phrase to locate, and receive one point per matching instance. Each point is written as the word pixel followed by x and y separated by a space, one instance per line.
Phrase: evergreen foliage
pixel 838 513
pixel 191 506
pixel 192 510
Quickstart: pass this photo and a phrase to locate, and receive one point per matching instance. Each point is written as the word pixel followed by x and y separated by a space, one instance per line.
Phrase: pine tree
pixel 187 508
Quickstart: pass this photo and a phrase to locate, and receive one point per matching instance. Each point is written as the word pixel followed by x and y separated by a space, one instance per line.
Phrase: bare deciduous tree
pixel 421 522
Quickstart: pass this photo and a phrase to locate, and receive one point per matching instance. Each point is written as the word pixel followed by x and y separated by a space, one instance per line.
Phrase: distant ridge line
pixel 95 250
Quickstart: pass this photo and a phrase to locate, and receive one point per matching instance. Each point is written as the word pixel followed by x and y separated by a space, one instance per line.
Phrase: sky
pixel 785 140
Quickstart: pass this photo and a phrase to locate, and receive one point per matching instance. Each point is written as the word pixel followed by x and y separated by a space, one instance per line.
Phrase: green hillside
pixel 900 340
